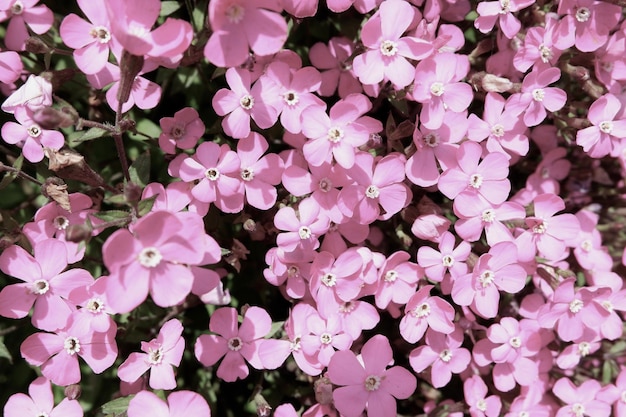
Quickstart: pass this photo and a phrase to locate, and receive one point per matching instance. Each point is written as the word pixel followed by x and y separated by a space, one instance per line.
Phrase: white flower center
pixel 41 414
pixel 329 279
pixel 235 344
pixel 623 396
pixel 422 310
pixel 100 33
pixel 372 382
pixel 325 185
pixel 17 8
pixel 34 131
pixel 247 174
pixel 304 232
pixel 294 345
pixel 584 348
pixel 150 257
pixel 212 174
pixel 583 14
pixel 293 271
pixel 497 130
pixel 40 287
pixel 445 355
pixel 545 53
pixel 372 191
pixel 486 278
pixel 347 308
pixel 538 94
pixel 505 6
pixel 388 48
pixel 575 306
pixel 431 139
pixel 606 127
pixel 475 181
pixel 447 261
pixel 61 222
pixel 391 276
pixel 481 405
pixel 247 102
pixel 586 245
pixel 291 98
pixel 541 227
pixel 578 409
pixel 436 89
pixel 335 134
pixel 71 345
pixel 326 338
pixel 488 216
pixel 95 305
pixel 515 342
pixel 608 305
pixel 155 356
pixel 235 13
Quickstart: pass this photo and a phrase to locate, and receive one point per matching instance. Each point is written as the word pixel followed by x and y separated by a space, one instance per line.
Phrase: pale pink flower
pixel 40 401
pixel 29 136
pixel 181 131
pixel 35 93
pixel 159 356
pixel 333 62
pixel 369 385
pixel 95 311
pixel 233 342
pixel 22 13
pixel 542 46
pixel 357 316
pixel 588 22
pixel 179 403
pixel 608 129
pixel 581 400
pixel 490 12
pixel 302 230
pixel 397 280
pixel 424 312
pixel 480 404
pixel 478 214
pixel 324 337
pixel 11 67
pixel 447 259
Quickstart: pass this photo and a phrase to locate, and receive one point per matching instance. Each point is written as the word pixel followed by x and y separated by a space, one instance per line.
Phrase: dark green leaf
pixel 117 407
pixel 145 205
pixel 140 169
pixel 91 134
pixel 168 7
pixel 4 352
pixel 9 177
pixel 113 215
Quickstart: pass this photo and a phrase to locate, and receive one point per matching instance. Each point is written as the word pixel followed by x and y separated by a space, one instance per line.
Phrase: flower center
pixel 576 305
pixel 177 131
pixel 476 180
pixel 583 14
pixel 505 6
pixel 481 405
pixel 235 344
pixel 606 127
pixel 304 232
pixel 40 287
pixel 325 185
pixel 538 94
pixel 584 348
pixel 41 414
pixel 523 414
pixel 608 305
pixel 422 310
pixel 71 345
pixel 293 271
pixel 540 227
pixel 17 8
pixel 326 338
pixel 488 216
pixel 150 257
pixel 515 341
pixel 155 356
pixel 100 33
pixel 329 279
pixel 436 89
pixel 372 382
pixel 34 131
pixel 497 130
pixel 372 191
pixel 578 409
pixel 61 222
pixel 546 53
pixel 391 276
pixel 95 305
pixel 235 13
pixel 348 307
pixel 388 48
pixel 486 278
pixel 445 355
pixel 294 345
pixel 247 102
pixel 447 261
pixel 586 245
pixel 291 98
pixel 335 134
pixel 212 174
pixel 247 174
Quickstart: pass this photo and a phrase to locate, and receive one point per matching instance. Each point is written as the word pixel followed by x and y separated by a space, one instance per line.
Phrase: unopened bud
pixel 78 232
pixel 494 84
pixel 51 118
pixel 323 391
pixel 72 392
pixel 35 45
pixel 132 192
pixel 131 65
pixel 71 165
pixel 430 227
pixel 263 409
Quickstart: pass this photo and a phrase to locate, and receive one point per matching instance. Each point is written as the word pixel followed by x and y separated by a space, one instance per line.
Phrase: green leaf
pixel 276 327
pixel 140 169
pixel 169 7
pixel 9 177
pixel 144 206
pixel 4 352
pixel 113 215
pixel 146 129
pixel 91 134
pixel 117 407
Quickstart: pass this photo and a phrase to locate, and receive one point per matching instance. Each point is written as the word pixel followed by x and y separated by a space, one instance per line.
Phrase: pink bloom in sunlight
pixel 57 353
pixel 606 133
pixel 159 356
pixel 181 131
pixel 22 13
pixel 11 67
pixel 542 47
pixel 398 280
pixel 40 402
pixel 490 12
pixel 388 52
pixel 240 25
pixel 29 136
pixel 147 259
pixel 588 22
pixel 91 40
pixel 476 392
pixel 95 311
pixel 368 384
pixel 443 353
pixel 580 400
pixel 447 259
pixel 45 286
pixel 233 342
pixel 536 97
pixel 179 403
pixel 302 230
pixel 332 61
pixel 324 337
pixel 439 89
pixel 478 214
pixel 424 312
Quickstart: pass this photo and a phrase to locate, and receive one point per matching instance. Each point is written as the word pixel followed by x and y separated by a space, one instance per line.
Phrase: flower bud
pixel 35 45
pixel 430 227
pixel 78 232
pixel 72 392
pixel 51 118
pixel 323 391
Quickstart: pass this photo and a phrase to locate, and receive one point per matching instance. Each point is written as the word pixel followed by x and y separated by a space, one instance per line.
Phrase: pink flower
pixel 22 13
pixel 397 280
pixel 302 230
pixel 11 67
pixel 179 403
pixel 478 214
pixel 324 336
pixel 369 385
pixel 57 353
pixel 603 137
pixel 240 25
pixel 425 312
pixel 580 400
pixel 40 401
pixel 91 40
pixel 34 94
pixel 332 61
pixel 46 286
pixel 542 46
pixel 181 131
pixel 161 354
pixel 388 54
pixel 240 104
pixel 588 22
pixel 447 259
pixel 476 391
pixel 30 136
pixel 235 343
pixel 490 12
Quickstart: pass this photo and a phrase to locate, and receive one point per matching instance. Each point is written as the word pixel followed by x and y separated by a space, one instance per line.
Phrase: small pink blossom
pixel 179 403
pixel 332 61
pixel 40 401
pixel 580 400
pixel 181 131
pixel 490 12
pixel 22 13
pixel 476 397
pixel 28 135
pixel 608 128
pixel 425 312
